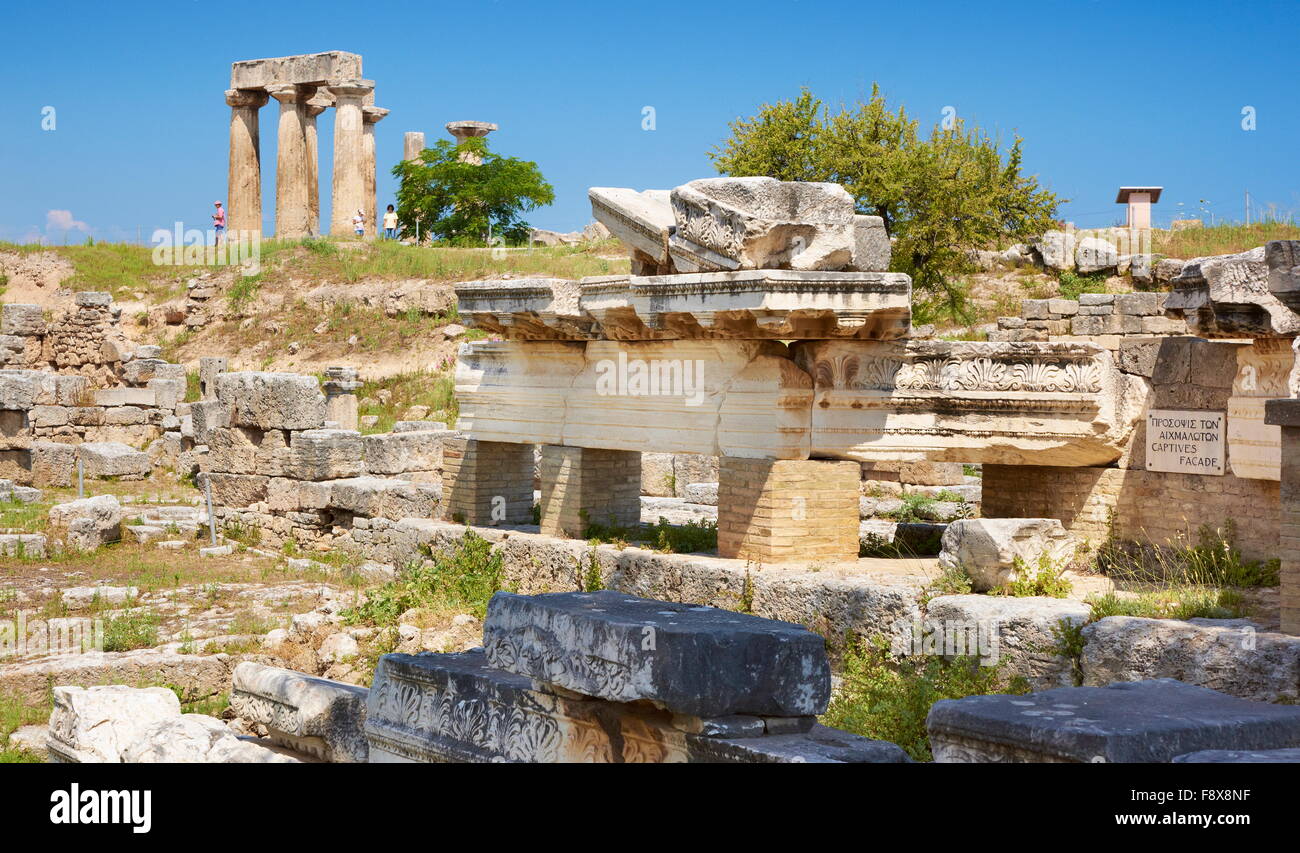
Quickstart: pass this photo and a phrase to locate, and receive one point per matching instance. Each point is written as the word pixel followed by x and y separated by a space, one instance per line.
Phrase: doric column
pixel 463 130
pixel 349 181
pixel 370 117
pixel 317 105
pixel 292 202
pixel 412 145
pixel 244 187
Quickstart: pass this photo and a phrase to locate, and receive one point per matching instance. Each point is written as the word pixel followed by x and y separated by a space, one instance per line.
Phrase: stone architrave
pixel 1263 373
pixel 349 193
pixel 735 398
pixel 943 401
pixel 292 196
pixel 244 187
pixel 370 117
pixel 739 305
pixel 300 68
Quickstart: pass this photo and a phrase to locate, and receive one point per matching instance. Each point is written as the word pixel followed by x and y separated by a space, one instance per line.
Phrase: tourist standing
pixel 359 223
pixel 390 224
pixel 219 221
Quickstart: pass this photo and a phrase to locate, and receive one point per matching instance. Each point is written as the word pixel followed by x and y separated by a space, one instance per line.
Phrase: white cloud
pixel 62 221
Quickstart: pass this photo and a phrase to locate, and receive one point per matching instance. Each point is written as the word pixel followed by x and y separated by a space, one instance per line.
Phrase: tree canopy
pixel 941 196
pixel 461 201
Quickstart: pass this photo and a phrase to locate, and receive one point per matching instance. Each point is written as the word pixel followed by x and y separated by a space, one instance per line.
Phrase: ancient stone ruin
pixel 306 86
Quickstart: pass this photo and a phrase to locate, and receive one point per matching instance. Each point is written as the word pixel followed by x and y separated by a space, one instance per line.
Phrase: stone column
pixel 244 186
pixel 340 387
pixel 463 130
pixel 582 486
pixel 1286 414
pixel 412 145
pixel 292 202
pixel 349 193
pixel 777 510
pixel 370 116
pixel 487 483
pixel 317 105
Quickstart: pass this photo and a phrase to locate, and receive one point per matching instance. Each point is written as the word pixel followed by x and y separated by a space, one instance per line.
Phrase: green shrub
pixel 887 697
pixel 1074 284
pixel 131 629
pixel 464 577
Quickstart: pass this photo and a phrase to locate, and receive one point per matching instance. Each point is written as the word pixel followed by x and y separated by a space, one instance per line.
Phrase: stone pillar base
pixel 779 510
pixel 582 486
pixel 1286 414
pixel 486 483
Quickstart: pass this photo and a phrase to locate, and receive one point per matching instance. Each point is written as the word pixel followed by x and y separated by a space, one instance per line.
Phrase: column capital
pixel 355 88
pixel 291 93
pixel 255 98
pixel 318 103
pixel 373 115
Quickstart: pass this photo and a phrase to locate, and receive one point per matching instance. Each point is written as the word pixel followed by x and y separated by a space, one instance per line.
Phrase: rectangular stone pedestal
pixel 1286 414
pixel 775 511
pixel 487 482
pixel 582 486
pixel 1125 722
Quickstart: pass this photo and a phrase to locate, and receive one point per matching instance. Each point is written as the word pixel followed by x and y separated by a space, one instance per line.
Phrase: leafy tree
pixel 941 196
pixel 459 200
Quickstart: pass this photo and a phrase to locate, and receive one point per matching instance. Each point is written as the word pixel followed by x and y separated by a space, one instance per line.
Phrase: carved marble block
pixel 763 304
pixel 316 716
pixel 1004 403
pixel 688 659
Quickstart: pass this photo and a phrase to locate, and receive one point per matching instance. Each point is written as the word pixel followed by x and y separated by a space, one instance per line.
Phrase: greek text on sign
pixel 1183 442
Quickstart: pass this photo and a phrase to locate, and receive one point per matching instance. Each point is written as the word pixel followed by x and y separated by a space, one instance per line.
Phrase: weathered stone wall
pixel 1101 317
pixel 1144 505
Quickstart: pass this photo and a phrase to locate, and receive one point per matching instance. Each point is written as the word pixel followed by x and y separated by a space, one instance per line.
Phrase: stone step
pixel 1138 721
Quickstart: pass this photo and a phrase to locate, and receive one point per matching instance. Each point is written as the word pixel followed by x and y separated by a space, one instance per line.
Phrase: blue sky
pixel 1105 93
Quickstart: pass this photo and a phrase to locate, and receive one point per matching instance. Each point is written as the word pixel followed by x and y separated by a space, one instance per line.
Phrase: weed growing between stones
pixel 131 629
pixel 464 577
pixel 888 698
pixel 1214 560
pixel 1175 603
pixel 691 537
pixel 952 580
pixel 14 714
pixel 1043 579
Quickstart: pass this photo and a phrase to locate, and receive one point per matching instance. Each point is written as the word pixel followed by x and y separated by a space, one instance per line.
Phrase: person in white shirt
pixel 359 223
pixel 390 224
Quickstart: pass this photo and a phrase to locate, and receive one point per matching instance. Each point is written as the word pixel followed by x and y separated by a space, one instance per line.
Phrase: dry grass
pixel 1219 239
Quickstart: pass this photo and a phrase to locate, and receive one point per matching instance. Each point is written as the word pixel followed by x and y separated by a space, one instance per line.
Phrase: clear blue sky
pixel 1105 93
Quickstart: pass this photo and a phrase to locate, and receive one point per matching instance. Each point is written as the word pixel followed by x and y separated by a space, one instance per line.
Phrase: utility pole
pixel 1247 207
